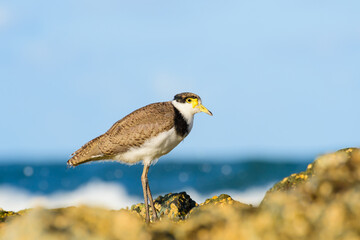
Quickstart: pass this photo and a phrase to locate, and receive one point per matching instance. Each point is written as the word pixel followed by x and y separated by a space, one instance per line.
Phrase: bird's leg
pixel 151 203
pixel 145 183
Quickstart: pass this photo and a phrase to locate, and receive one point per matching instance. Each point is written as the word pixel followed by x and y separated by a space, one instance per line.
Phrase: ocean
pixel 115 185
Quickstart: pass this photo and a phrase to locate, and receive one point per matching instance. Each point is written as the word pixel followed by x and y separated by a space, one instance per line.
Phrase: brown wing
pixel 131 131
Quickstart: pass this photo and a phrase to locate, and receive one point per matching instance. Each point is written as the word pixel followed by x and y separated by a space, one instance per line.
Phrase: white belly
pixel 152 149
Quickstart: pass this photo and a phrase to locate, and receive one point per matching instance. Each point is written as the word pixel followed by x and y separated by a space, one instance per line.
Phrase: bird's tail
pixel 89 152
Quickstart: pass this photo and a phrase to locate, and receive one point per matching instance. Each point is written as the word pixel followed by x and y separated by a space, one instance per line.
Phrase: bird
pixel 144 136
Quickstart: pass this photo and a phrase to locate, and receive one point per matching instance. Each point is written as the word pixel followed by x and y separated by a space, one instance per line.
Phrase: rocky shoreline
pixel 323 202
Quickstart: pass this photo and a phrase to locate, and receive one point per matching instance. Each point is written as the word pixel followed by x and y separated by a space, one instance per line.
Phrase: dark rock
pixel 174 206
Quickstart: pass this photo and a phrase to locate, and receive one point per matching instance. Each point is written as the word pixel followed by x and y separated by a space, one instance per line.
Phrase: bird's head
pixel 191 103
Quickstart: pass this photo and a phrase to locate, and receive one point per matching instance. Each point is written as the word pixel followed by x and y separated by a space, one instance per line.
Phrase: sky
pixel 282 78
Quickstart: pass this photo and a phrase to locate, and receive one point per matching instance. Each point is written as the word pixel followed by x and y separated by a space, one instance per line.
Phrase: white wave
pixel 104 194
pixel 95 193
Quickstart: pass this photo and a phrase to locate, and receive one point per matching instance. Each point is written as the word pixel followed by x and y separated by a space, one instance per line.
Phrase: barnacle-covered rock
pixel 174 206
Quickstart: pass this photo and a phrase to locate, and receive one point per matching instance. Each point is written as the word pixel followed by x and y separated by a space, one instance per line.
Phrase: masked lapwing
pixel 144 135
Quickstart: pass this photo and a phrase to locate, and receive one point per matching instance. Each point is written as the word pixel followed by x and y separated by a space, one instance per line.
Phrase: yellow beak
pixel 204 109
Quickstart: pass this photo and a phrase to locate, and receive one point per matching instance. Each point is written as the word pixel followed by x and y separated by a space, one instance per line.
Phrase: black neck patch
pixel 181 126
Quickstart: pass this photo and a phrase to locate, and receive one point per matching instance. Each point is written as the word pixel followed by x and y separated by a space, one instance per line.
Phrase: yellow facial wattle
pixel 194 102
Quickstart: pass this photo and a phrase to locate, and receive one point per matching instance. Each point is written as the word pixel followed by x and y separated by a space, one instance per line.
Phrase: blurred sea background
pixel 118 186
pixel 281 78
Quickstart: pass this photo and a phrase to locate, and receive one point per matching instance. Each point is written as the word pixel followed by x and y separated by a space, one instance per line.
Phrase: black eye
pixel 188 100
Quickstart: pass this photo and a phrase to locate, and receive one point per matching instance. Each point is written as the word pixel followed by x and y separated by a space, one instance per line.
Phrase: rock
pixel 212 221
pixel 223 199
pixel 326 206
pixel 291 182
pixel 174 206
pixel 331 172
pixel 219 201
pixel 75 223
pixel 4 215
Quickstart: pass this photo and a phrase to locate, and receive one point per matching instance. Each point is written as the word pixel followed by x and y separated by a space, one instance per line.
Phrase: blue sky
pixel 281 77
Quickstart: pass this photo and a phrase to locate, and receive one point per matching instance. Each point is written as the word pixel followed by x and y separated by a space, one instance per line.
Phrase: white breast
pixel 151 149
